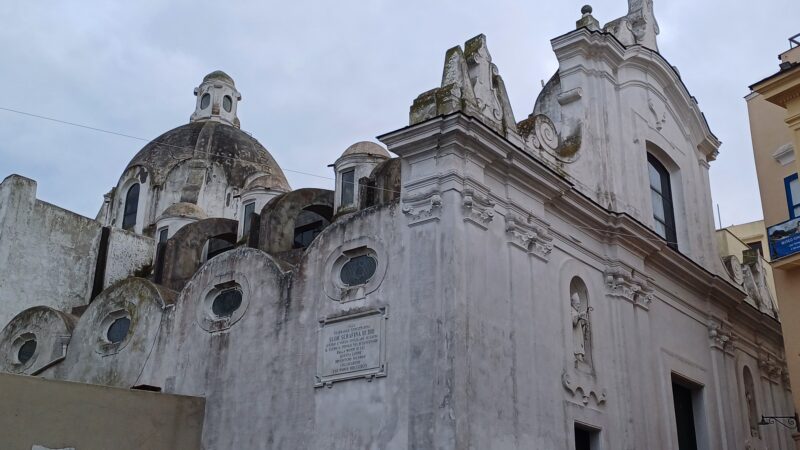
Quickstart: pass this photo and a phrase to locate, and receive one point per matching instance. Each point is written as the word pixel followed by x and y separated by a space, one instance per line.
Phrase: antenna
pixel 719 217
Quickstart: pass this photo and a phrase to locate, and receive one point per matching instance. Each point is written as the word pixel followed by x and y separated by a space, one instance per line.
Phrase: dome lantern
pixel 217 99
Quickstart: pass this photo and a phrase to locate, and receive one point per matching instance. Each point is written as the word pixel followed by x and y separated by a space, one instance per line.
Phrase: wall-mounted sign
pixel 784 238
pixel 352 346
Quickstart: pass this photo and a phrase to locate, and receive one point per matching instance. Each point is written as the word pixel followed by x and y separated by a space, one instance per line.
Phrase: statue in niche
pixel 580 327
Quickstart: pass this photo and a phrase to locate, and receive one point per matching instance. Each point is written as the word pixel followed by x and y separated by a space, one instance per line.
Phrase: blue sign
pixel 784 238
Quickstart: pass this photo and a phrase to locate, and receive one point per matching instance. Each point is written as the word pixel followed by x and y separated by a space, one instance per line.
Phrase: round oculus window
pixel 358 270
pixel 26 351
pixel 118 330
pixel 205 100
pixel 226 303
pixel 227 103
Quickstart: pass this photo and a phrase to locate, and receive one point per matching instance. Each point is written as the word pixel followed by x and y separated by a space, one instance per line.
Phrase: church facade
pixel 548 283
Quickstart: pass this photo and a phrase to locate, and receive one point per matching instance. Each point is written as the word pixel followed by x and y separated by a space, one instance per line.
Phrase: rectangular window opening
pixel 586 438
pixel 348 187
pixel 247 217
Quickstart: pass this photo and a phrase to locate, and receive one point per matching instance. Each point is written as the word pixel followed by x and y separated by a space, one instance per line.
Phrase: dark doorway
pixel 586 438
pixel 220 244
pixel 682 394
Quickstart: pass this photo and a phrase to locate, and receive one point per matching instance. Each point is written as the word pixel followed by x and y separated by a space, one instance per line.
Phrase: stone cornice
pixel 561 198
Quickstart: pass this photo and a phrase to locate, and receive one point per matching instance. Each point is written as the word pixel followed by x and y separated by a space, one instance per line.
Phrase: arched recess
pixel 580 321
pixel 184 252
pixel 752 404
pixel 305 210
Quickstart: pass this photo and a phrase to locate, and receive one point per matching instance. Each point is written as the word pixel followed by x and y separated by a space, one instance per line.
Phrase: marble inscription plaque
pixel 351 347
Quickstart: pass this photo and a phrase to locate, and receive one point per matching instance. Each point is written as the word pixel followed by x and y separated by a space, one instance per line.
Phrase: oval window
pixel 118 330
pixel 227 103
pixel 205 100
pixel 26 350
pixel 358 270
pixel 226 303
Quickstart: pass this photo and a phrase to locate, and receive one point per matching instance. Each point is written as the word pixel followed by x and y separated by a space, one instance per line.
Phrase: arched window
pixel 205 100
pixel 131 207
pixel 220 244
pixel 661 196
pixel 309 223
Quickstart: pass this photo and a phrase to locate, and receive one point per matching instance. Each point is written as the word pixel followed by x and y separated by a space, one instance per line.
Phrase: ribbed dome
pixel 183 209
pixel 238 153
pixel 366 148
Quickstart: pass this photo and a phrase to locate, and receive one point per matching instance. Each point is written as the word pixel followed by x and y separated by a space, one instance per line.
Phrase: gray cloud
pixel 316 77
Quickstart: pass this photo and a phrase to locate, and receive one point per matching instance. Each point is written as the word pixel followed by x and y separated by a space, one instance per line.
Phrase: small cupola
pixel 356 162
pixel 217 99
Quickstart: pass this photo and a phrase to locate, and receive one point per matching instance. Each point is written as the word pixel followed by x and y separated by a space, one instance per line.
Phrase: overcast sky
pixel 316 77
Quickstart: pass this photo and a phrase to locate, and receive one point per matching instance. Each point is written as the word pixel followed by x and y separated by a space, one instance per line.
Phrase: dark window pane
pixel 26 351
pixel 661 198
pixel 226 303
pixel 583 439
pixel 249 210
pixel 227 103
pixel 348 187
pixel 163 234
pixel 358 270
pixel 131 207
pixel 684 417
pixel 118 330
pixel 217 246
pixel 307 226
pixel 205 100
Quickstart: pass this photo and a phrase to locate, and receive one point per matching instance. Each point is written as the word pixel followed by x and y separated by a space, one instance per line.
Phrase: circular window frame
pixel 213 323
pixel 18 366
pixel 104 346
pixel 335 288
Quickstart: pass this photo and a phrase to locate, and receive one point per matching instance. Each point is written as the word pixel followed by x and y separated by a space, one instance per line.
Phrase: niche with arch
pixel 750 398
pixel 580 321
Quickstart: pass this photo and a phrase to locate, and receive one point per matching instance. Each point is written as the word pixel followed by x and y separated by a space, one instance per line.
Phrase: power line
pixel 152 141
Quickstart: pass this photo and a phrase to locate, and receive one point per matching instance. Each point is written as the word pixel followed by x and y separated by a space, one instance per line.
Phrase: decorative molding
pixel 570 96
pixel 784 154
pixel 536 240
pixel 629 287
pixel 720 335
pixel 582 391
pixel 479 208
pixel 423 207
pixel 771 366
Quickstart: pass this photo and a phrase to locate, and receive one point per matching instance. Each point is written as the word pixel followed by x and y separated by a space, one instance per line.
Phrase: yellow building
pixel 774 109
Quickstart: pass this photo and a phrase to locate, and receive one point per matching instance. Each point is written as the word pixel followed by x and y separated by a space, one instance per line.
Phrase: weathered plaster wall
pixel 128 254
pixel 52 251
pixel 58 414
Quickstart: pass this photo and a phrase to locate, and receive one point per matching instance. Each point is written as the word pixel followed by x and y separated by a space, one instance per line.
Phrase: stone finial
pixel 471 84
pixel 639 26
pixel 587 20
